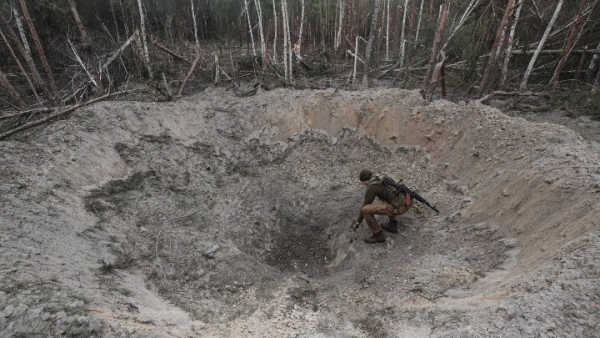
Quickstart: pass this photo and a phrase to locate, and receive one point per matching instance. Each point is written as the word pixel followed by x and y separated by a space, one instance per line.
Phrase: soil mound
pixel 220 216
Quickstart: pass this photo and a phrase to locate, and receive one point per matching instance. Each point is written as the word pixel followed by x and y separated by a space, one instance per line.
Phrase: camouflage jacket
pixel 383 192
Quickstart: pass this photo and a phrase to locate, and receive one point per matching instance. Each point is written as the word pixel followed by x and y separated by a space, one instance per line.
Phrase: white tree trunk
pixel 387 30
pixel 402 39
pixel 287 48
pixel 275 33
pixel 590 72
pixel 143 38
pixel 298 46
pixel 419 22
pixel 372 33
pixel 540 46
pixel 249 27
pixel 340 24
pixel 21 30
pixel 511 40
pixel 355 60
pixel 195 23
pixel 263 47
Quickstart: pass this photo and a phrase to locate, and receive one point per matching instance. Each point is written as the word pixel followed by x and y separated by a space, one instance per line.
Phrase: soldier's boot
pixel 392 227
pixel 376 238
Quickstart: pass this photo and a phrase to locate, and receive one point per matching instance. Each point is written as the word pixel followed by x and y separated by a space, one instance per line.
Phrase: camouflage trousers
pixel 380 208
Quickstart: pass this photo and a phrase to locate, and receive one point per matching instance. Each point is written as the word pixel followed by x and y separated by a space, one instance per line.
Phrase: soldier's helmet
pixel 365 175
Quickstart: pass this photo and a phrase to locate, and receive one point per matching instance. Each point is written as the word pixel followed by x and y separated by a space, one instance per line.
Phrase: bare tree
pixel 355 60
pixel 435 50
pixel 287 44
pixel 274 32
pixel 369 48
pixel 21 30
pixel 87 47
pixel 340 24
pixel 402 38
pixel 37 79
pixel 590 71
pixel 249 26
pixel 491 60
pixel 298 46
pixel 510 43
pixel 263 46
pixel 146 53
pixel 40 50
pixel 195 23
pixel 419 22
pixel 387 29
pixel 575 29
pixel 540 45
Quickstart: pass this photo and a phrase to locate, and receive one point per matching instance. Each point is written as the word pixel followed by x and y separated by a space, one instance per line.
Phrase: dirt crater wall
pixel 237 211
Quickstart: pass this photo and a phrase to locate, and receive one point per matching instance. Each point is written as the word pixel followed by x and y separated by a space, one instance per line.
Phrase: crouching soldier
pixel 390 204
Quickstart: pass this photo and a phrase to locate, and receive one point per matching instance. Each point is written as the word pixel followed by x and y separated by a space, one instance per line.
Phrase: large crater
pixel 219 216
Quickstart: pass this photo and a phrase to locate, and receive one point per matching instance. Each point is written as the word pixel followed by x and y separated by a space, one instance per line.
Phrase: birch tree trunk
pixel 42 55
pixel 287 48
pixel 340 24
pixel 285 43
pixel 195 23
pixel 402 39
pixel 275 32
pixel 263 47
pixel 435 49
pixel 87 47
pixel 298 46
pixel 387 30
pixel 12 93
pixel 21 30
pixel 419 22
pixel 249 27
pixel 491 60
pixel 369 48
pixel 523 85
pixel 355 60
pixel 590 71
pixel 509 46
pixel 143 38
pixel 575 29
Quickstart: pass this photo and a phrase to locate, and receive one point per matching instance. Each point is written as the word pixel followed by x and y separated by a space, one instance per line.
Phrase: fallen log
pixel 502 93
pixel 60 113
pixel 170 52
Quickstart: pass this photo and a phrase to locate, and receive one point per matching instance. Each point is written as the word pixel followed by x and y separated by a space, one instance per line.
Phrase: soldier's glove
pixel 354 226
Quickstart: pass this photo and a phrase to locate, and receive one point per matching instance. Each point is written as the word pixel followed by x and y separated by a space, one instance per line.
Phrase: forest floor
pixel 225 216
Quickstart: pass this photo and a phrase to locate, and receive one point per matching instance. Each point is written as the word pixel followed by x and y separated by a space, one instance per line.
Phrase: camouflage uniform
pixel 390 204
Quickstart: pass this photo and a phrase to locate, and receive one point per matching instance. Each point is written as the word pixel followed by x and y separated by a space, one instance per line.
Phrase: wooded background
pixel 64 53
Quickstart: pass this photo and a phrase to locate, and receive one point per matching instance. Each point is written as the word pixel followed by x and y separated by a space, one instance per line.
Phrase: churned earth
pixel 221 216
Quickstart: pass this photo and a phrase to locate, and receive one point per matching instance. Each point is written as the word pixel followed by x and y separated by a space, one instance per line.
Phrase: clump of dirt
pixel 223 216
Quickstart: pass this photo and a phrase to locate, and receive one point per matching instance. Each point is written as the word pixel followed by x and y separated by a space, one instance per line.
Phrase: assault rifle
pixel 401 188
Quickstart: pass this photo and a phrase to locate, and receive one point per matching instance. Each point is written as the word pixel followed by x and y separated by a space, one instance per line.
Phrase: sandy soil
pixel 220 216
